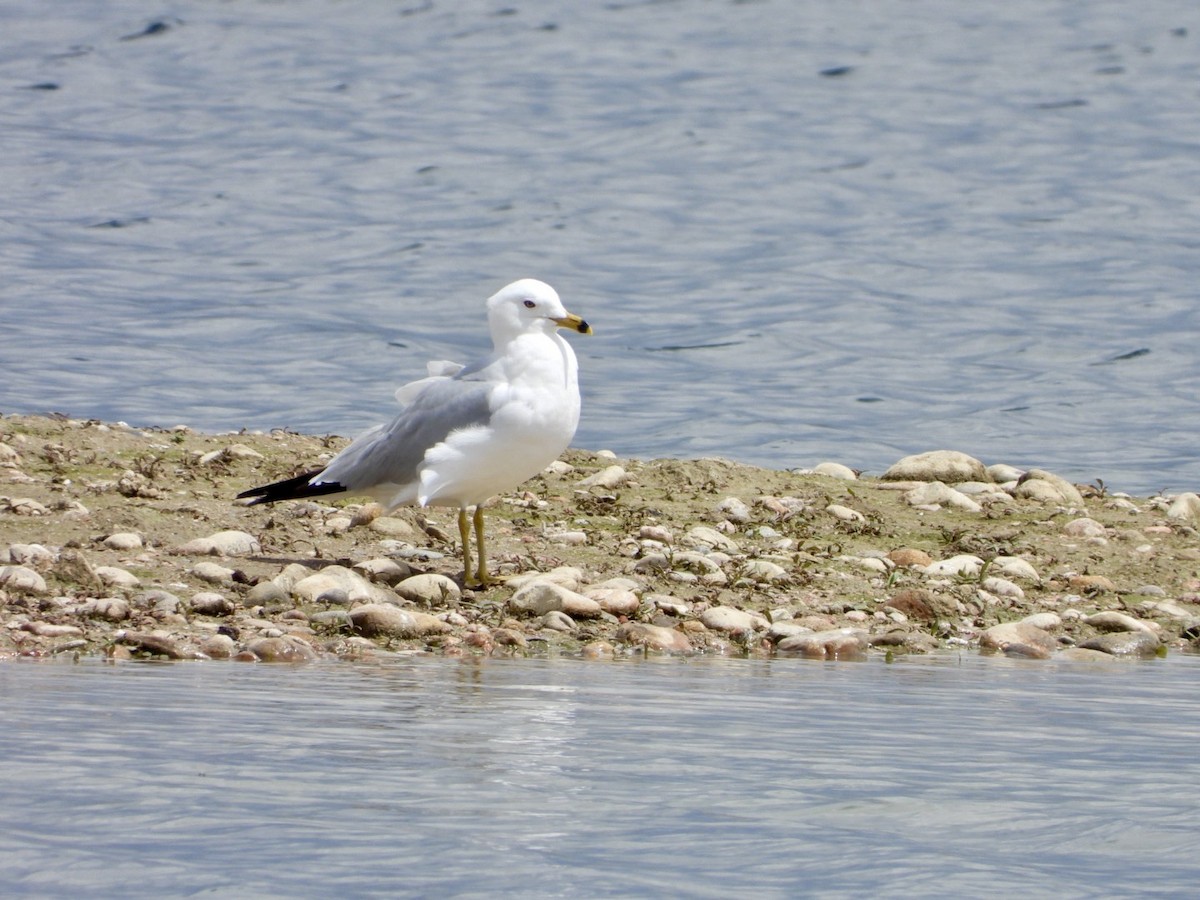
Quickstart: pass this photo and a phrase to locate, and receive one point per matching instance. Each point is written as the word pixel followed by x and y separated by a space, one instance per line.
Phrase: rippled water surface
pixel 803 230
pixel 715 778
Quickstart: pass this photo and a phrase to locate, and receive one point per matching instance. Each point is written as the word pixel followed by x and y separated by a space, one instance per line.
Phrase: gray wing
pixel 390 454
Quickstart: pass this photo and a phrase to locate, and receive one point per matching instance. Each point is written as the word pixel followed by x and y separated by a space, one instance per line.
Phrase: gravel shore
pixel 127 543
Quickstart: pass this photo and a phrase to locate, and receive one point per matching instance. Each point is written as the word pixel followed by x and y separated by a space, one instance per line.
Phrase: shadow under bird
pixel 466 433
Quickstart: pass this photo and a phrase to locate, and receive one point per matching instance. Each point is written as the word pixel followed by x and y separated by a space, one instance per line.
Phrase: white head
pixel 529 305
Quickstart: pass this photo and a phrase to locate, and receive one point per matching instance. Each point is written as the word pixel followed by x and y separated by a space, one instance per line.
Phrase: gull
pixel 466 433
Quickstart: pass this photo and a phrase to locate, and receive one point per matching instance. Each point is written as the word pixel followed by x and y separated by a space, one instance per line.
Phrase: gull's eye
pixel 529 304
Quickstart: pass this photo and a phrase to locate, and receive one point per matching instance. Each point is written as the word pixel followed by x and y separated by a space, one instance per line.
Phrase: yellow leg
pixel 483 572
pixel 464 533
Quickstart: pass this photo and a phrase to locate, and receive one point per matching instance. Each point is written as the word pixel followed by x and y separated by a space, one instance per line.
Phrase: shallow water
pixel 803 231
pixel 948 776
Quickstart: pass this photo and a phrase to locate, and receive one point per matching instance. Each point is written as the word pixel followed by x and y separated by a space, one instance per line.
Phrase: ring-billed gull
pixel 468 432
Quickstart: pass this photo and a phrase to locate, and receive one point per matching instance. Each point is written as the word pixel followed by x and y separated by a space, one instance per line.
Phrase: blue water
pixel 950 776
pixel 802 230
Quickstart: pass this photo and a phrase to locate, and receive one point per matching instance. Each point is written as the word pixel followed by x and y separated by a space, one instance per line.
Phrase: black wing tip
pixel 294 488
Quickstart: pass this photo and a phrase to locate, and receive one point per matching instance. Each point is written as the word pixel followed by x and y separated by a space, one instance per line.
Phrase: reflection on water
pixel 541 778
pixel 941 225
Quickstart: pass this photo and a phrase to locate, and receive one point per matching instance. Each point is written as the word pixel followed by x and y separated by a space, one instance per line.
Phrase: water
pixel 803 230
pixel 708 778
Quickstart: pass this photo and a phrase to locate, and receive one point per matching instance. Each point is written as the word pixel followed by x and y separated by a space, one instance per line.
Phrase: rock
pixel 835 470
pixel 569 538
pixel 155 645
pixel 935 493
pixel 73 568
pixel 124 541
pixel 281 650
pixel 609 477
pixel 845 513
pixel 837 643
pixel 24 506
pixel 208 603
pixel 223 543
pixel 947 466
pixel 430 590
pixel 330 578
pixel 115 577
pixel 1047 621
pixel 112 609
pixel 998 637
pixel 656 533
pixel 1093 584
pixel 33 555
pixel 1002 474
pixel 557 620
pixel 1002 587
pixel 704 538
pixel 212 573
pixel 509 637
pixel 1014 567
pixel 51 630
pixel 654 637
pixel 1111 620
pixel 1038 484
pixel 1084 528
pixel 386 620
pixel 395 528
pixel 1185 507
pixel 217 646
pixel 615 601
pixel 1124 643
pixel 21 580
pixel 569 577
pixel 962 564
pixel 763 570
pixel 383 570
pixel 730 620
pixel 733 509
pixel 906 557
pixel 598 650
pixel 227 454
pixel 540 597
pixel 266 592
pixel 917 603
pixel 159 601
pixel 1080 654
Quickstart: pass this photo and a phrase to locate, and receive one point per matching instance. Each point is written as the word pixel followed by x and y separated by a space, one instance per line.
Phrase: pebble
pixel 22 580
pixel 429 589
pixel 395 528
pixel 223 543
pixel 113 609
pixel 1002 587
pixel 154 644
pixel 1002 473
pixel 916 603
pixel 1091 583
pixel 266 592
pixel 1081 654
pixel 557 620
pixel 835 470
pixel 947 466
pixel 936 493
pixel 1047 621
pixel 569 577
pixel 225 454
pixel 124 541
pixel 1185 507
pixel 160 602
pixel 49 629
pixel 217 646
pixel 731 620
pixel 654 637
pixel 569 538
pixel 836 643
pixel 540 597
pixel 1014 567
pixel 598 650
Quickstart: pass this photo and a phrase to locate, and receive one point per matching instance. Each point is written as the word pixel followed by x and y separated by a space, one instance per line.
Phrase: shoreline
pixel 121 543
